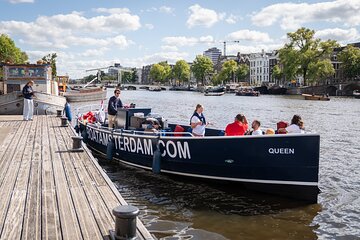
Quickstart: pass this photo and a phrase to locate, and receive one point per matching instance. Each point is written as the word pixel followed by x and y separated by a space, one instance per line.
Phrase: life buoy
pixel 68 112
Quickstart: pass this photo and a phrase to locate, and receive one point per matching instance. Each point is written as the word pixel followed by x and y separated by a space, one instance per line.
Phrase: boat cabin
pixel 15 76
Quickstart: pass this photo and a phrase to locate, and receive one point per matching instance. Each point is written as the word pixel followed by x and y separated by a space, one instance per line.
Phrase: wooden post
pixel 77 147
pixel 58 113
pixel 64 122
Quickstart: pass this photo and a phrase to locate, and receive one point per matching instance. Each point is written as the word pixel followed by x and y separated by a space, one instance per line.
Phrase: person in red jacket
pixel 238 127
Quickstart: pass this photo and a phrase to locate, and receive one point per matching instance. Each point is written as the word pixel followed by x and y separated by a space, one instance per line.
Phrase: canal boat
pixel 86 94
pixel 214 93
pixel 15 76
pixel 284 164
pixel 247 92
pixel 316 97
pixel 356 93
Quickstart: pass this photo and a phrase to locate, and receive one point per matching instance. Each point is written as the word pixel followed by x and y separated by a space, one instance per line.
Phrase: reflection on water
pixel 177 209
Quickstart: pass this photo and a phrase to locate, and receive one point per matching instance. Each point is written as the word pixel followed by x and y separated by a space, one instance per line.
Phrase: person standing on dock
pixel 113 106
pixel 28 110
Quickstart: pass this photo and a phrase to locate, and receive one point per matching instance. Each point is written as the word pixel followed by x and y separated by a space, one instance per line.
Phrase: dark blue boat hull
pixel 287 165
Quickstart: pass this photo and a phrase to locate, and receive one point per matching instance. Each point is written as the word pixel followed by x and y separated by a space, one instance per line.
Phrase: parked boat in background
pixel 356 93
pixel 155 88
pixel 15 77
pixel 316 97
pixel 87 94
pixel 247 92
pixel 214 93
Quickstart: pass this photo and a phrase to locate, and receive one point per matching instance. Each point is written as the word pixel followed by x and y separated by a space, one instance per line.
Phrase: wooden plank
pixel 89 227
pixel 32 219
pixel 9 192
pixel 50 215
pixel 69 221
pixel 15 214
pixel 110 192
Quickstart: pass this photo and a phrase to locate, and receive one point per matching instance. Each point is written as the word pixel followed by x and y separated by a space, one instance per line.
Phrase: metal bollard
pixel 77 147
pixel 125 222
pixel 58 113
pixel 64 122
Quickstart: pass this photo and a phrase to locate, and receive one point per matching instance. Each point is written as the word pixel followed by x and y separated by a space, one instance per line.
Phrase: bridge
pixel 335 89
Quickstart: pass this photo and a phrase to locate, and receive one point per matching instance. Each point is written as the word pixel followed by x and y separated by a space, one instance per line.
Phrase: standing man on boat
pixel 113 106
pixel 28 92
pixel 198 122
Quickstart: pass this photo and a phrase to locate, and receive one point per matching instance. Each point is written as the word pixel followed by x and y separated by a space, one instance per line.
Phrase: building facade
pixel 259 68
pixel 213 53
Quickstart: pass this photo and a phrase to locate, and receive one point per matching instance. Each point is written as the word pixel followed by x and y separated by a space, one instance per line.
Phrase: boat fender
pixel 84 134
pixel 111 147
pixel 68 111
pixel 156 164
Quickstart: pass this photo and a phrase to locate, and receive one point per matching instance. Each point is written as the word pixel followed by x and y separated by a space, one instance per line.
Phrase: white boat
pixel 44 103
pixel 214 93
pixel 88 94
pixel 15 76
pixel 356 93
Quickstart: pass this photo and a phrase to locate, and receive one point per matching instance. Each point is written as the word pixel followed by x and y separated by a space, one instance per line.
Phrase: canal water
pixel 173 208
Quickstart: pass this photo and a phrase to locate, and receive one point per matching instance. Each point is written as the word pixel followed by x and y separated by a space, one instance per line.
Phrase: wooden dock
pixel 49 192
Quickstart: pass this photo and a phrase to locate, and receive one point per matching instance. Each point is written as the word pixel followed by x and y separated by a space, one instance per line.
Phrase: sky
pixel 89 34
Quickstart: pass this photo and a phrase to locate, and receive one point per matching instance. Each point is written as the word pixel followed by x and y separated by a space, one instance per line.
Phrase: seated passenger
pixel 296 125
pixel 270 131
pixel 256 128
pixel 238 127
pixel 153 125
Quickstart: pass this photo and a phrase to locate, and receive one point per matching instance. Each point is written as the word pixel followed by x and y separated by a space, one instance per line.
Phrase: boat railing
pixel 141 132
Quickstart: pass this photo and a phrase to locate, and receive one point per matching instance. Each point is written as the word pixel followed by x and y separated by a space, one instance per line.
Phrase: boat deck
pixel 48 191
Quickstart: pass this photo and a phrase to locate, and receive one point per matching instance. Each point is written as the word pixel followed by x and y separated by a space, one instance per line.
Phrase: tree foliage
pixel 320 70
pixel 160 72
pixel 51 59
pixel 350 62
pixel 277 74
pixel 228 71
pixel 181 71
pixel 304 51
pixel 242 72
pixel 202 67
pixel 9 53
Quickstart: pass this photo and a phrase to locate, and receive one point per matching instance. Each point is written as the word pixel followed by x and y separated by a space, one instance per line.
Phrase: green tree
pixel 217 79
pixel 277 74
pixel 304 51
pixel 9 53
pixel 228 70
pixel 202 67
pixel 166 72
pixel 181 71
pixel 242 72
pixel 350 62
pixel 51 59
pixel 320 70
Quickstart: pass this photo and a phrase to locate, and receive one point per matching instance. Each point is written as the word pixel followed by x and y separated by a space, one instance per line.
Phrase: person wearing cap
pixel 153 125
pixel 113 105
pixel 28 93
pixel 238 127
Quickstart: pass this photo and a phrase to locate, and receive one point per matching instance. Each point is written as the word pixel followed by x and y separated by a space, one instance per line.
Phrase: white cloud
pixel 341 35
pixel 233 49
pixel 232 19
pixel 165 9
pixel 181 41
pixel 112 10
pixel 203 17
pixel 162 9
pixel 64 30
pixel 249 35
pixel 94 52
pixel 149 26
pixel 169 48
pixel 294 15
pixel 21 1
